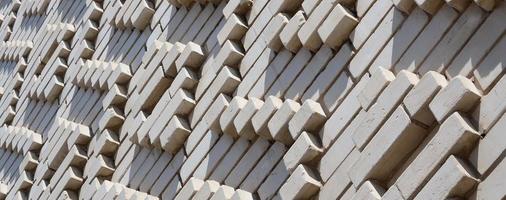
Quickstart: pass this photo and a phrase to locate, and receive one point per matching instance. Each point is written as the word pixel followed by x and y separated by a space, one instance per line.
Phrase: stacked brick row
pixel 252 99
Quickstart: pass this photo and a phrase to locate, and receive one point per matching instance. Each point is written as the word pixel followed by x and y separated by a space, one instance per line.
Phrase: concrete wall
pixel 252 99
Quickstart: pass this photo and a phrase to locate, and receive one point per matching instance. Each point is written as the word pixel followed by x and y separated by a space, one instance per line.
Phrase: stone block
pixel 336 28
pixel 459 95
pixel 278 125
pixel 242 121
pixel 453 179
pixel 455 136
pixel 302 184
pixel 264 114
pixel 288 35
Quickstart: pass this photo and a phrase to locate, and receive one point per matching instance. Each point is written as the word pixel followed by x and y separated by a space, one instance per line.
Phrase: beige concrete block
pixel 336 185
pixel 491 187
pixel 380 78
pixel 174 135
pixel 290 73
pixel 427 39
pixel 278 125
pixel 141 17
pixel 401 40
pixel 181 104
pixel 264 114
pixel 239 7
pixel 207 190
pixel 482 41
pixel 224 192
pixel 213 158
pixel 487 5
pixel 302 184
pixel 371 13
pixel 263 167
pixel 234 29
pixel 303 151
pixel 225 82
pixel 418 99
pixel 185 79
pixel 233 156
pixel 491 106
pixel 196 156
pixel 310 117
pixel 491 68
pixel 388 26
pixel 242 121
pixel 489 149
pixel 387 102
pixel 328 87
pixel 459 95
pixel 393 143
pixel 369 190
pixel 288 35
pixel 242 195
pixel 453 179
pixel 308 33
pixel 192 56
pixel 343 114
pixel 454 136
pixel 392 193
pixel 189 189
pixel 336 28
pixel 247 162
pixel 308 74
pixel 430 6
pixel 459 5
pixel 337 153
pixel 229 114
pixel 405 6
pixel 309 6
pixel 453 41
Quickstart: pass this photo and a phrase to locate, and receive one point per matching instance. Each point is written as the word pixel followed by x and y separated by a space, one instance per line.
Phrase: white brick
pixel 489 148
pixel 455 136
pixel 418 99
pixel 224 192
pixel 427 39
pixel 207 190
pixel 336 28
pixel 380 78
pixel 454 178
pixel 388 100
pixel 302 184
pixel 264 114
pixel 278 125
pixel 310 117
pixel 234 29
pixel 401 40
pixel 491 187
pixel 289 36
pixel 242 121
pixel 247 162
pixel 376 41
pixel 459 95
pixel 230 159
pixel 229 114
pixel 453 41
pixel 491 106
pixel 369 190
pixel 393 143
pixel 263 167
pixel 189 189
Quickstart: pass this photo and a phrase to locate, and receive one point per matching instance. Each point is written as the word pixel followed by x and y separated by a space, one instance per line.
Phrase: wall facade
pixel 252 99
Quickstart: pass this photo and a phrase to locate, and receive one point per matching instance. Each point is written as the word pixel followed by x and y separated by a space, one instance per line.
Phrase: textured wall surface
pixel 252 99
